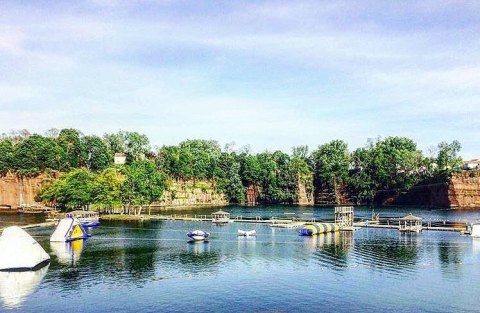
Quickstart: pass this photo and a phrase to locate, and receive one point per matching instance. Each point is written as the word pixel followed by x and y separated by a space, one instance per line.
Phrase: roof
pixel 82 212
pixel 119 154
pixel 474 161
pixel 221 213
pixel 410 217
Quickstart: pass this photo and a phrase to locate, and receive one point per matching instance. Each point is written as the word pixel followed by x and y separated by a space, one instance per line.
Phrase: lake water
pixel 150 267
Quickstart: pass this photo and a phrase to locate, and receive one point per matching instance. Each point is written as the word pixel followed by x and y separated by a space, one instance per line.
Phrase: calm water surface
pixel 150 267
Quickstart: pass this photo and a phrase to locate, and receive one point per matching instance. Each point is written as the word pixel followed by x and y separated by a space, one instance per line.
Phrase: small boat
pixel 475 230
pixel 198 235
pixel 86 218
pixel 245 233
pixel 90 224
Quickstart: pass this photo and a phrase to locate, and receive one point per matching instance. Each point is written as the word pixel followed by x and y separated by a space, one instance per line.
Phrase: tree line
pixel 90 177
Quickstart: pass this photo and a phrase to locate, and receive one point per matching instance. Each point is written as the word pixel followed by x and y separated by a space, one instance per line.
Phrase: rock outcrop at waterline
pixel 461 191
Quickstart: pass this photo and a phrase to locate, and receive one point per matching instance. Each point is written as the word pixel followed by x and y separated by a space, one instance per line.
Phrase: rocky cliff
pixel 16 190
pixel 190 194
pixel 305 196
pixel 461 191
pixel 464 190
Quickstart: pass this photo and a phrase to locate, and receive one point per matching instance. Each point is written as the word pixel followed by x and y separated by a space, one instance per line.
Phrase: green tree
pixel 201 156
pixel 71 191
pixel 95 154
pixel 69 140
pixel 331 165
pixel 36 154
pixel 6 156
pixel 448 158
pixel 230 182
pixel 107 190
pixel 143 185
pixel 135 145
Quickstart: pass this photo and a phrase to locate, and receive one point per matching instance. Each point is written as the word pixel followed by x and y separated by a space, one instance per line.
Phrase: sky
pixel 271 74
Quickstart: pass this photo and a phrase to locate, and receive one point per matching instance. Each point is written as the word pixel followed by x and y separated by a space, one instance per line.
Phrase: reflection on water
pixel 15 287
pixel 68 253
pixel 146 266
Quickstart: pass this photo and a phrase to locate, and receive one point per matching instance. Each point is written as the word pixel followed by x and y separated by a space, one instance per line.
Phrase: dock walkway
pixel 273 222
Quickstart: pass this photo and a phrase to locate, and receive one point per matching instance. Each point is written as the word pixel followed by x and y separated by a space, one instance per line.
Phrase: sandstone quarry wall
pixel 191 194
pixel 13 189
pixel 305 197
pixel 464 190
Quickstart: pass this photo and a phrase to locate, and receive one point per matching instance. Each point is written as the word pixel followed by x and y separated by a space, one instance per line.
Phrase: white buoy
pixel 20 252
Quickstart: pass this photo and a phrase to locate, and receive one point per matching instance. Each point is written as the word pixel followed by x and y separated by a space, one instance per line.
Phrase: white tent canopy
pixel 20 252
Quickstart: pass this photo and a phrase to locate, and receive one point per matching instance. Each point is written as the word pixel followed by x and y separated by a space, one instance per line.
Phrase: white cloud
pixel 357 71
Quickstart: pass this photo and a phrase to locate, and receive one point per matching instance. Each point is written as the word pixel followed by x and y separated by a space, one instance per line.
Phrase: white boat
pixel 475 230
pixel 20 252
pixel 68 229
pixel 198 235
pixel 252 232
pixel 86 218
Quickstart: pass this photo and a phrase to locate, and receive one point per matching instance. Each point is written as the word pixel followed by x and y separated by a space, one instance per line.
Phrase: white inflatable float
pixel 68 253
pixel 68 229
pixel 15 287
pixel 247 232
pixel 20 252
pixel 198 235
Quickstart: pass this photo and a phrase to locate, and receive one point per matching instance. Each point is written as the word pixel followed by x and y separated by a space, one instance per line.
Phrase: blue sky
pixel 272 74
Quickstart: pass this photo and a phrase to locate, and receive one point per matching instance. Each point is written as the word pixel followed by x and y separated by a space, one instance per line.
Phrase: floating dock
pixel 273 222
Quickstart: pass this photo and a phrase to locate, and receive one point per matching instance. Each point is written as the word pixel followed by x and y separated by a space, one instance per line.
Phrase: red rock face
pixel 253 194
pixel 13 188
pixel 464 190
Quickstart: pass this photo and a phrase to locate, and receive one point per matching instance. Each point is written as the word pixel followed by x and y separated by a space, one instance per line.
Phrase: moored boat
pixel 86 218
pixel 475 230
pixel 252 232
pixel 198 235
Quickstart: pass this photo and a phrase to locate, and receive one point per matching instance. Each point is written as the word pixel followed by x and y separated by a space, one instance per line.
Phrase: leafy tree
pixel 143 185
pixel 250 169
pixel 331 164
pixel 115 142
pixel 135 145
pixel 69 140
pixel 6 156
pixel 175 162
pixel 36 154
pixel 72 190
pixel 95 154
pixel 202 156
pixel 300 152
pixel 107 190
pixel 448 158
pixel 230 182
